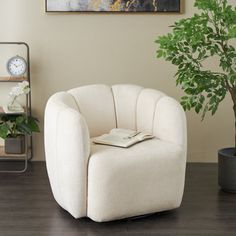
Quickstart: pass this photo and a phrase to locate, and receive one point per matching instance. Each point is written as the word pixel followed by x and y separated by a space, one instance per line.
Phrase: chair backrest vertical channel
pixel 146 107
pixel 95 102
pixel 125 98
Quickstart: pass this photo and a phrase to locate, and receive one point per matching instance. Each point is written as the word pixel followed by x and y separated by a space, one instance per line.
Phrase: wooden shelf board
pixel 12 79
pixel 3 154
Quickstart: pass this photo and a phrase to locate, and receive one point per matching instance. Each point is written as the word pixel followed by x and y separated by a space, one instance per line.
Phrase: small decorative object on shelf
pixel 16 66
pixel 15 145
pixel 13 129
pixel 18 90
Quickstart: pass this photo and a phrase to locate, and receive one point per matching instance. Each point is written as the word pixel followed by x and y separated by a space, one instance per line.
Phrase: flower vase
pixel 14 106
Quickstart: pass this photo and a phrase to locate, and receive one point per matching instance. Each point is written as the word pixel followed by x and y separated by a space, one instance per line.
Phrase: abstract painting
pixel 113 5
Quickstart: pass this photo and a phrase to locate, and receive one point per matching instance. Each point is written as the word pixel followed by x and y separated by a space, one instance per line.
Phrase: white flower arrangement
pixel 18 90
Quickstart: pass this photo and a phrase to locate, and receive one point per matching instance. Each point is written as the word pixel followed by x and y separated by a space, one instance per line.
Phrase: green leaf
pixel 193 40
pixel 198 108
pixel 12 125
pixel 3 131
pixel 32 123
pixel 159 53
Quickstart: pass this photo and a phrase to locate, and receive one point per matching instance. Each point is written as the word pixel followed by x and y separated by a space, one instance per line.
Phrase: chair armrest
pixel 170 122
pixel 67 149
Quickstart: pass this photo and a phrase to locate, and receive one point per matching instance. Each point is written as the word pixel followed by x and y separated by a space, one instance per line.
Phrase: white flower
pixel 20 89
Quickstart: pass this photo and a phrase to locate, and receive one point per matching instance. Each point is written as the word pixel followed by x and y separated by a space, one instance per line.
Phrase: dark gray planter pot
pixel 227 169
pixel 15 145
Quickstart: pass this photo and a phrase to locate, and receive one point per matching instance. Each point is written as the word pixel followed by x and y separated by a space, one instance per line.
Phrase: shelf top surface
pixel 14 113
pixel 3 154
pixel 12 79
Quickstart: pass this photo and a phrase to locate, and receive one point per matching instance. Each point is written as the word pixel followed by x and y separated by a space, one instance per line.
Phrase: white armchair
pixel 104 182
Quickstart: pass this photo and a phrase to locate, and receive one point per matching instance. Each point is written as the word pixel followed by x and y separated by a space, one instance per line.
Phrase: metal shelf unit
pixel 28 155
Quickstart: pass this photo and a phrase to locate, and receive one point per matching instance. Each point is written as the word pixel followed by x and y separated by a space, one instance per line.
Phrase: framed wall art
pixel 174 6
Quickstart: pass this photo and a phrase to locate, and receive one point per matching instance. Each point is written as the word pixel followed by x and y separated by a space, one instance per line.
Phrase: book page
pixel 111 139
pixel 143 136
pixel 123 132
pixel 122 137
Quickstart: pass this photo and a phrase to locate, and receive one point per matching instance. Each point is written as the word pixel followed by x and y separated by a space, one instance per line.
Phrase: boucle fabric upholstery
pixel 105 182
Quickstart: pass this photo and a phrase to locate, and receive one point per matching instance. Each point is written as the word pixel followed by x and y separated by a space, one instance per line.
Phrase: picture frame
pixel 114 6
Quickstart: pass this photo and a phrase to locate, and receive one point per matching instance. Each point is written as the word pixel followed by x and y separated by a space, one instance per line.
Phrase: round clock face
pixel 16 66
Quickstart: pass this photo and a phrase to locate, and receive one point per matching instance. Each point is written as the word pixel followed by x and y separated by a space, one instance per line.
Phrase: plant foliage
pixel 14 125
pixel 208 34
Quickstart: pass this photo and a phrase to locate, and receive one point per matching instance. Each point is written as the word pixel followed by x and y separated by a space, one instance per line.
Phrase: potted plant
pixel 14 124
pixel 208 34
pixel 13 129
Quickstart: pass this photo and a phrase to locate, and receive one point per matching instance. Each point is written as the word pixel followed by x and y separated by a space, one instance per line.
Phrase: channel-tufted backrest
pixel 125 100
pixel 146 109
pixel 121 106
pixel 95 103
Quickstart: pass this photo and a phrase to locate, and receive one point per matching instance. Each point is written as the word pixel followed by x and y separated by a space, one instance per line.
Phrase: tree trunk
pixel 233 96
pixel 235 130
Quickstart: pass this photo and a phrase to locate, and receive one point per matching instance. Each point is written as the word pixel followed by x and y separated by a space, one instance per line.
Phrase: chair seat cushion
pixel 142 179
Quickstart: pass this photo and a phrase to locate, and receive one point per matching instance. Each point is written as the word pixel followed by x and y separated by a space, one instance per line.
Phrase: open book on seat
pixel 122 138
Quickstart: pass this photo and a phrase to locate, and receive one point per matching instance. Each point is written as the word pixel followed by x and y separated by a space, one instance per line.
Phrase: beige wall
pixel 69 50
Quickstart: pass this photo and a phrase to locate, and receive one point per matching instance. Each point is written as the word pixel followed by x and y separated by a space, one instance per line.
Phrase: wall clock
pixel 16 66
